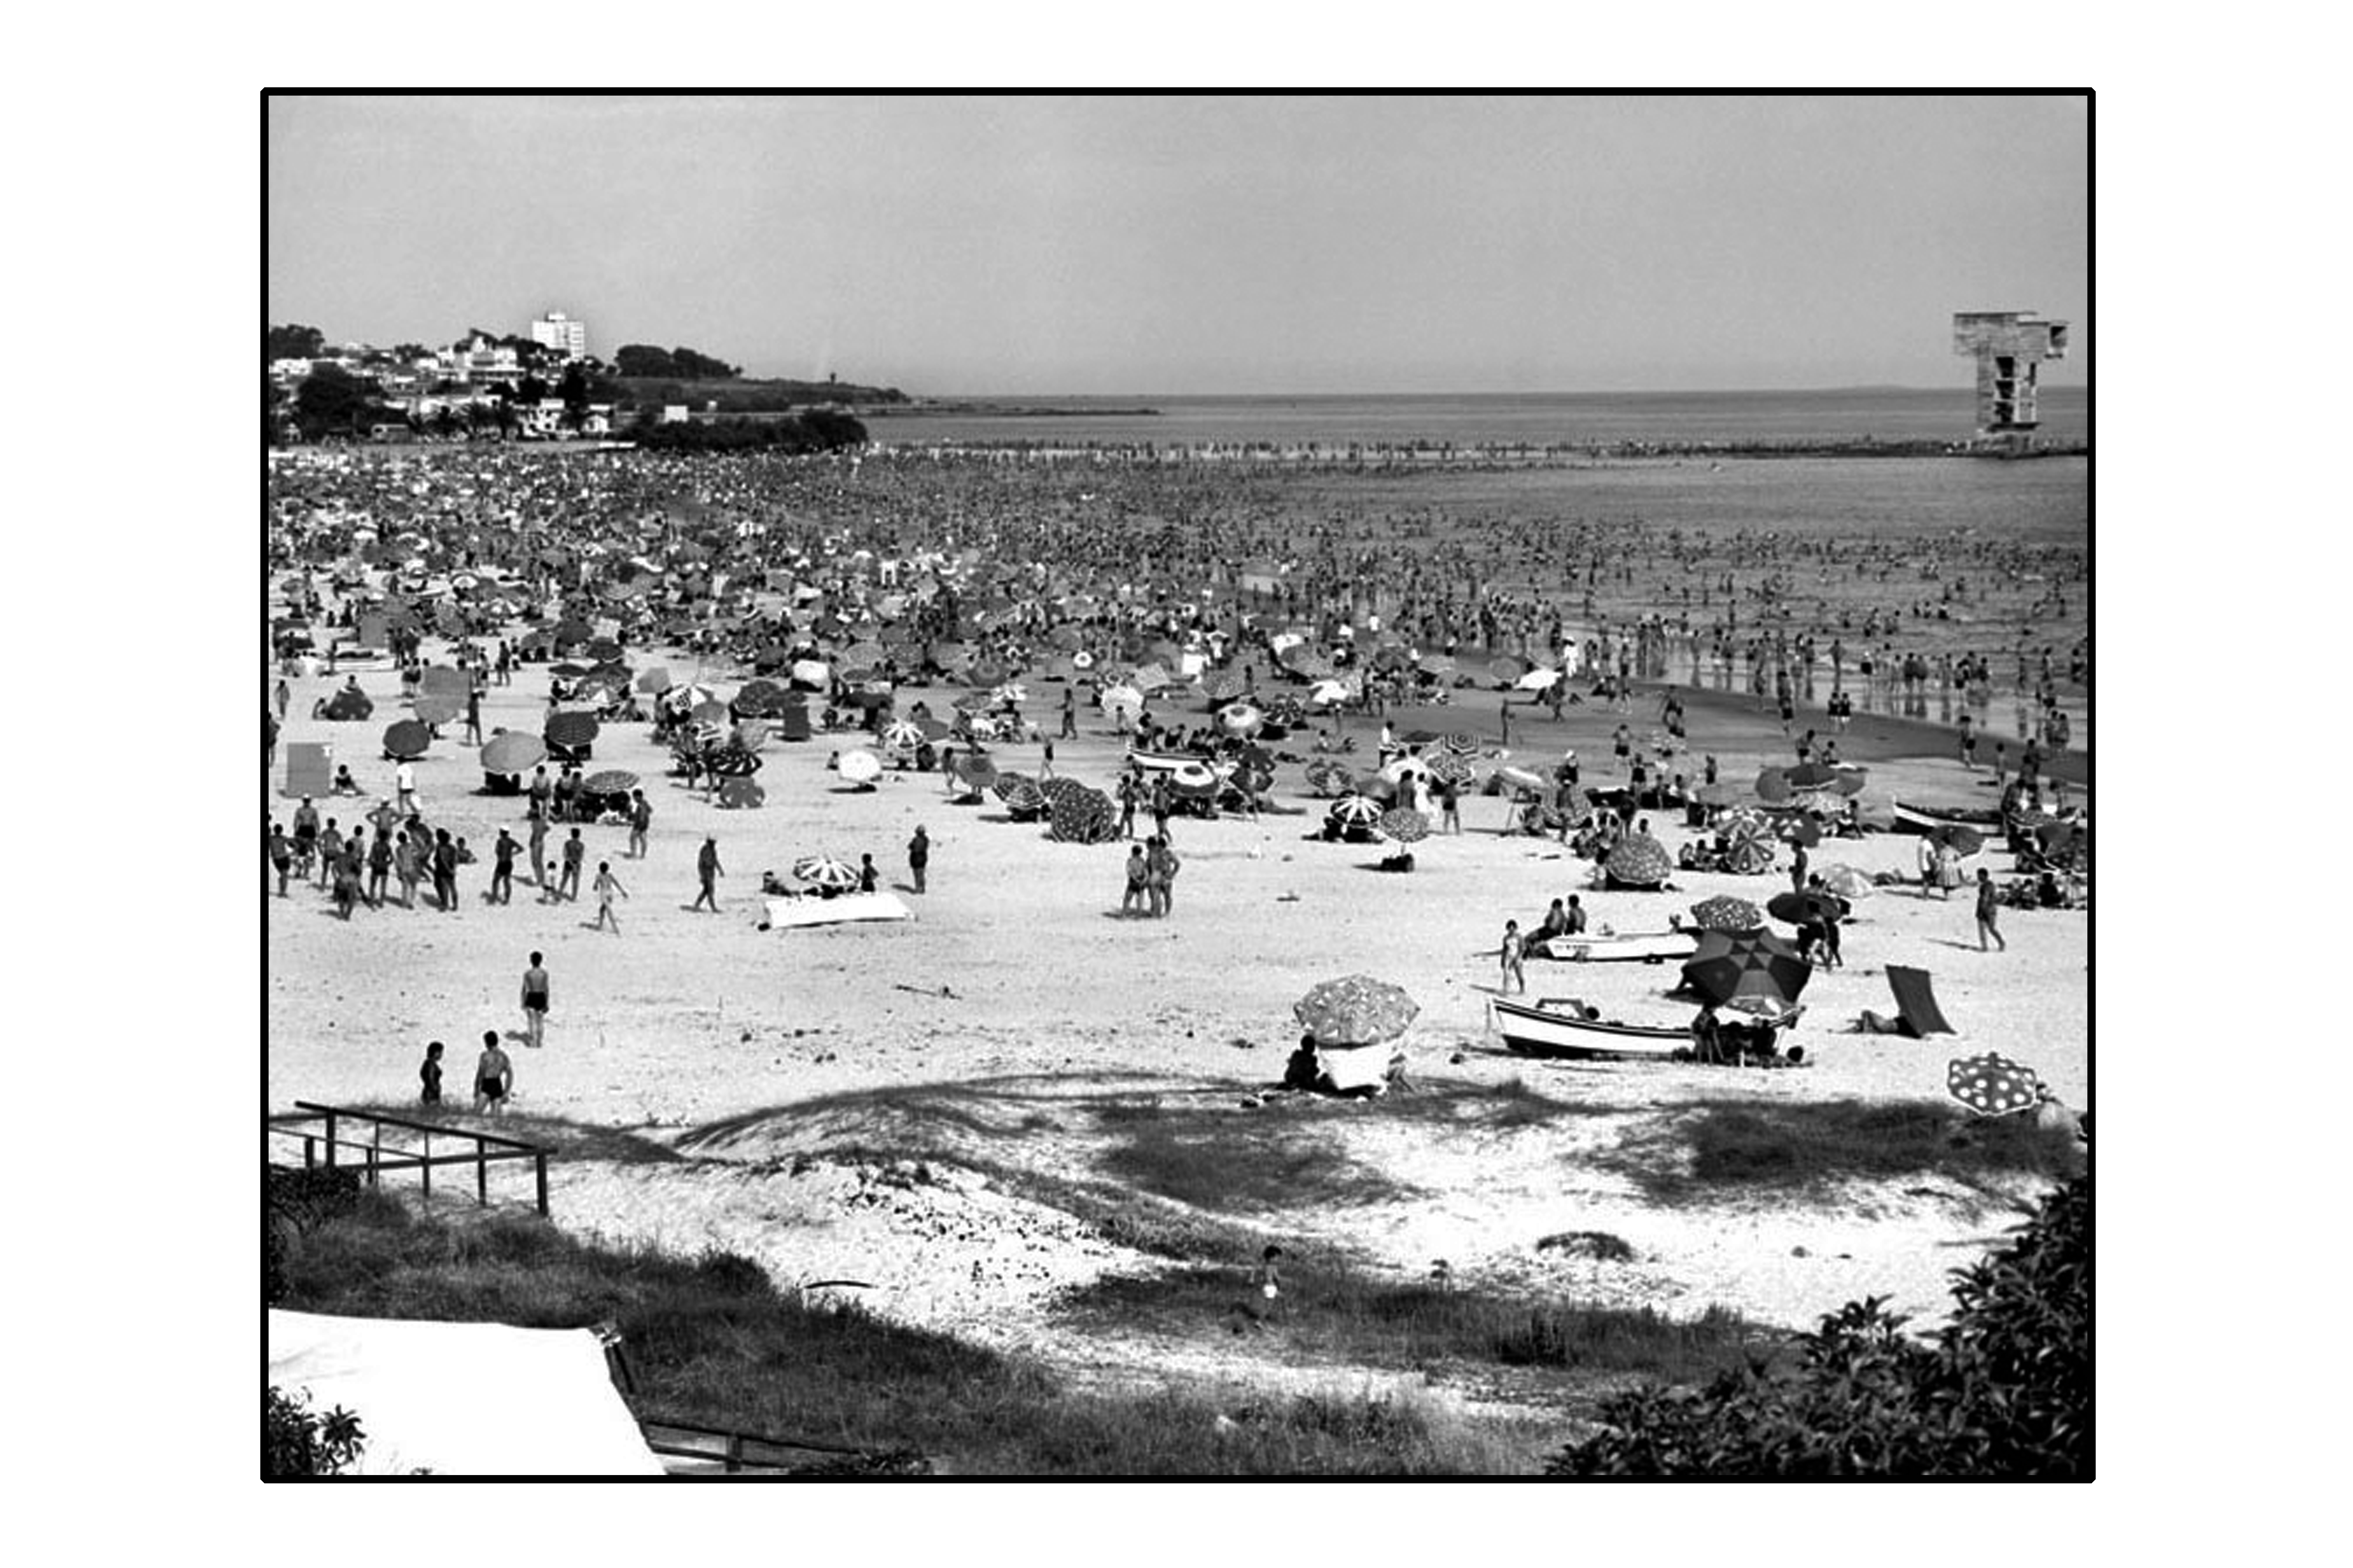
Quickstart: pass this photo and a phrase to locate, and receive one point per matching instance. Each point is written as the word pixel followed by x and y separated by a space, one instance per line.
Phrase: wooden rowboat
pixel 1650 947
pixel 1548 1028
pixel 1925 819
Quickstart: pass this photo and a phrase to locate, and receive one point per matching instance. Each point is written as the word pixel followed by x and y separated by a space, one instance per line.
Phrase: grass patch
pixel 1598 1245
pixel 1333 1311
pixel 1724 1148
pixel 712 1340
pixel 1228 1158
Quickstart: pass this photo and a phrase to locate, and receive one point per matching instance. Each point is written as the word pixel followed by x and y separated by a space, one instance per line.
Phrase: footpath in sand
pixel 902 1104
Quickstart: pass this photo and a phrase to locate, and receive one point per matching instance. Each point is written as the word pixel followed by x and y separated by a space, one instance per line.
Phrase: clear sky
pixel 1222 244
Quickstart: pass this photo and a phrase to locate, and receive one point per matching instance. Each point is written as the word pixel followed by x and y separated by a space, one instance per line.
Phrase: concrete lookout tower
pixel 2007 346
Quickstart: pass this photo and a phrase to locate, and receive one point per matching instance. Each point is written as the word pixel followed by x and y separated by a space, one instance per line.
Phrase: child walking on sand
pixel 606 886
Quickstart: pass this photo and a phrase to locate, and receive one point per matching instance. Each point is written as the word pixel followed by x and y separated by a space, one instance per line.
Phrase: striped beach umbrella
pixel 826 871
pixel 1353 813
pixel 902 735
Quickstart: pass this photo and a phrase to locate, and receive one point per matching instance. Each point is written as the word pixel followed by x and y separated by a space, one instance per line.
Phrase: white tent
pixel 461 1399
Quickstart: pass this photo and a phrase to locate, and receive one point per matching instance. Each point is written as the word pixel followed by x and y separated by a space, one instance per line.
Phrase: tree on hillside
pixel 529 389
pixel 292 342
pixel 332 399
pixel 643 360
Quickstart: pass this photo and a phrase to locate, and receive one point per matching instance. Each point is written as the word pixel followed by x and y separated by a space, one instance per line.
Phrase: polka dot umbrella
pixel 1638 861
pixel 1025 800
pixel 1404 826
pixel 1725 912
pixel 1082 816
pixel 1993 1085
pixel 1222 685
pixel 1357 1010
pixel 610 781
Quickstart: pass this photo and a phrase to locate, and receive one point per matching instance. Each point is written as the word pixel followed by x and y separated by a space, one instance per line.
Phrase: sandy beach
pixel 772 1092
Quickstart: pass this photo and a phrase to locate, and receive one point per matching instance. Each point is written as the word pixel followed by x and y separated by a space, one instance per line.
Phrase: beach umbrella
pixel 1436 664
pixel 1116 699
pixel 1006 783
pixel 1405 826
pixel 1352 811
pixel 859 767
pixel 813 673
pixel 1993 1085
pixel 1011 691
pixel 513 752
pixel 1451 768
pixel 826 871
pixel 1847 882
pixel 1850 779
pixel 1328 777
pixel 1801 829
pixel 438 708
pixel 1148 677
pixel 729 761
pixel 1080 816
pixel 444 680
pixel 1025 799
pixel 610 781
pixel 902 735
pixel 1811 776
pixel 1242 719
pixel 1728 964
pixel 1801 907
pixel 571 730
pixel 1773 787
pixel 1521 778
pixel 1725 912
pixel 1639 860
pixel 1506 668
pixel 1400 769
pixel 1462 743
pixel 974 769
pixel 1536 680
pixel 1961 839
pixel 711 712
pixel 406 739
pixel 1356 1011
pixel 1222 685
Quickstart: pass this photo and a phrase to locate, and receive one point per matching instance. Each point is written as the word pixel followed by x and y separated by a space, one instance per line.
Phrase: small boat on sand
pixel 1562 1026
pixel 1585 947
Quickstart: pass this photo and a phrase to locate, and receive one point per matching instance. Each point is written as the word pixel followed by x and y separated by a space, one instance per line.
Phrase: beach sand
pixel 754 1090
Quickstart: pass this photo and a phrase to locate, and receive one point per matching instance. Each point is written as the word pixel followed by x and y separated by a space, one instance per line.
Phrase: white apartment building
pixel 561 332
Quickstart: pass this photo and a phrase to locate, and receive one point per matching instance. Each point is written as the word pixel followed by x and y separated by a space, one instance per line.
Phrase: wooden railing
pixel 330 1145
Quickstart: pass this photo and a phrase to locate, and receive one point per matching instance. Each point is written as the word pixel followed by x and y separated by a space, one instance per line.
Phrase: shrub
pixel 2004 1389
pixel 297 1442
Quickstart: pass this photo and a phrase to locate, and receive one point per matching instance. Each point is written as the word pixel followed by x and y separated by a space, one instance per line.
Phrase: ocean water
pixel 1886 413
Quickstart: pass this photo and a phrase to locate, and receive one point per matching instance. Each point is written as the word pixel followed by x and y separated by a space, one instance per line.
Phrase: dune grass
pixel 711 1340
pixel 1331 1310
pixel 1722 1149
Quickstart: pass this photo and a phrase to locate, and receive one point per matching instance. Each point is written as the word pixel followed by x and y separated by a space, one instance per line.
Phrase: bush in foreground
pixel 2004 1389
pixel 297 1441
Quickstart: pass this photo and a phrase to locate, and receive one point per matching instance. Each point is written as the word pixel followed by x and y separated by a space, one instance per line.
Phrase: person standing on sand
pixel 641 817
pixel 919 856
pixel 1968 741
pixel 281 855
pixel 503 854
pixel 535 997
pixel 494 1076
pixel 575 858
pixel 606 886
pixel 1504 717
pixel 1138 877
pixel 1515 947
pixel 707 867
pixel 539 853
pixel 445 870
pixel 1988 908
pixel 428 1075
pixel 379 861
pixel 1450 801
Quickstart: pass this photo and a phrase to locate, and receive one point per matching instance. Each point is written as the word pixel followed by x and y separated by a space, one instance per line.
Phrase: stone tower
pixel 2008 345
